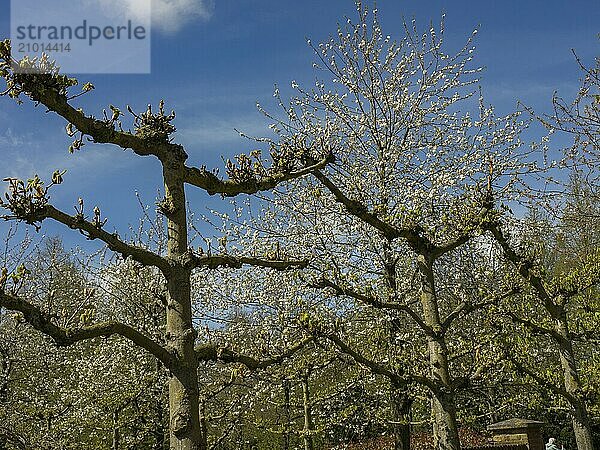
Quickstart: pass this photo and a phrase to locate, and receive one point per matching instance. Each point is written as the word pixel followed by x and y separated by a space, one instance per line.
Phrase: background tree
pixel 555 251
pixel 408 190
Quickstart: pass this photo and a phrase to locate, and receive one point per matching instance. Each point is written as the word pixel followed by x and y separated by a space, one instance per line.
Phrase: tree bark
pixel 401 401
pixel 445 427
pixel 185 430
pixel 581 421
pixel 401 408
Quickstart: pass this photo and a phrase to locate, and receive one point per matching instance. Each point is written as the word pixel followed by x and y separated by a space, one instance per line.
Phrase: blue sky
pixel 212 61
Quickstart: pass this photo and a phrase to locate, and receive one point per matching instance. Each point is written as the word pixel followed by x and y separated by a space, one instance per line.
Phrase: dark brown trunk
pixel 401 409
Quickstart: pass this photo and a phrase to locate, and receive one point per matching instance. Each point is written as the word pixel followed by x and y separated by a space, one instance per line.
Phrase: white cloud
pixel 28 155
pixel 220 132
pixel 9 139
pixel 171 15
pixel 168 16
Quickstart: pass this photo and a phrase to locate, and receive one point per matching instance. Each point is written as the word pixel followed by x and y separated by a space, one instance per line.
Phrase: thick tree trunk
pixel 581 421
pixel 184 425
pixel 582 429
pixel 445 427
pixel 308 423
pixel 183 385
pixel 401 409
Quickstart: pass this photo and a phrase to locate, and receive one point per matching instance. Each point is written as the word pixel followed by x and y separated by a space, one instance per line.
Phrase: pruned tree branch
pixel 541 381
pixel 216 261
pixel 447 248
pixel 40 89
pixel 412 236
pixel 468 307
pixel 373 366
pixel 212 184
pixel 535 328
pixel 362 360
pixel 94 231
pixel 51 91
pixel 525 267
pixel 359 210
pixel 211 352
pixel 64 337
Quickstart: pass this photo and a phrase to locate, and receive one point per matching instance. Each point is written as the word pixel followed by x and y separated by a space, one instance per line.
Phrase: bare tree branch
pixel 541 381
pixel 359 210
pixel 375 367
pixel 93 231
pixel 101 131
pixel 468 307
pixel 535 328
pixel 373 301
pixel 215 261
pixel 65 337
pixel 212 184
pixel 412 236
pixel 525 267
pixel 447 248
pixel 211 352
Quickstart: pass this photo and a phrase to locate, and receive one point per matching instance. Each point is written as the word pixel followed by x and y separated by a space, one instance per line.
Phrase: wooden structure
pixel 521 432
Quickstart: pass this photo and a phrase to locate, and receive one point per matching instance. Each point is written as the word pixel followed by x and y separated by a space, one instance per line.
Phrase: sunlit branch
pixel 525 267
pixel 212 184
pixel 373 301
pixel 64 337
pixel 100 131
pixel 374 367
pixel 533 327
pixel 211 352
pixel 359 210
pixel 92 232
pixel 468 307
pixel 216 261
pixel 541 381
